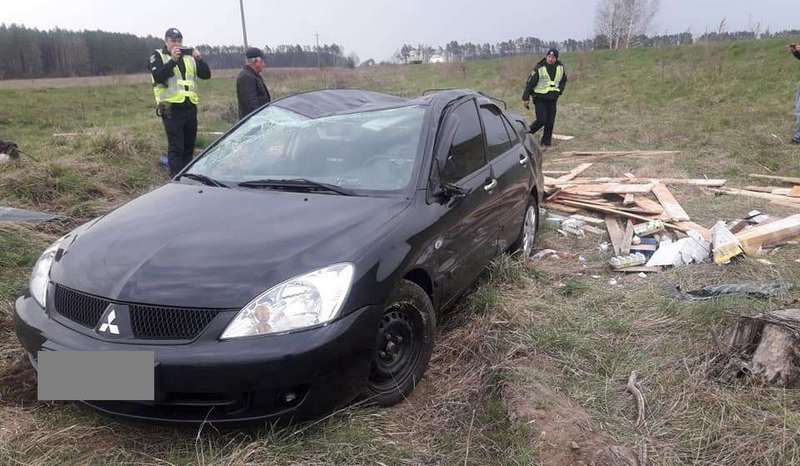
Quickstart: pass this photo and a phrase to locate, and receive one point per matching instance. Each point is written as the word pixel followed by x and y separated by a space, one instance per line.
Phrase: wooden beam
pixel 620 212
pixel 627 239
pixel 671 205
pixel 610 188
pixel 714 183
pixel 583 218
pixel 619 153
pixel 628 199
pixel 784 179
pixel 615 233
pixel 795 192
pixel 753 239
pixel 573 173
pixel 649 205
pixel 768 196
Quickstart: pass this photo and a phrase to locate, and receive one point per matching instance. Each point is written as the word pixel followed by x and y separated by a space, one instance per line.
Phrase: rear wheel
pixel 530 228
pixel 405 338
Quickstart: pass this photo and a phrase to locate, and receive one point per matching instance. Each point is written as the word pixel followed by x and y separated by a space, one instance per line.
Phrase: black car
pixel 299 262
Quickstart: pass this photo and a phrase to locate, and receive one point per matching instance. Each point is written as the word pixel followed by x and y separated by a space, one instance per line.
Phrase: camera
pixel 187 51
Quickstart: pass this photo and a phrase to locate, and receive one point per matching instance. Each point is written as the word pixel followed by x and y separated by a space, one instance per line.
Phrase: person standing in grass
pixel 251 92
pixel 545 85
pixel 174 76
pixel 795 48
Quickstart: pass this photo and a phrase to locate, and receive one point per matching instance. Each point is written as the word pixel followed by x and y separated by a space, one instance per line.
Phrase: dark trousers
pixel 180 122
pixel 545 118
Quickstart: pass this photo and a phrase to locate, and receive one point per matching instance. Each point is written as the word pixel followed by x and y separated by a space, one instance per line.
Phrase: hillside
pixel 535 349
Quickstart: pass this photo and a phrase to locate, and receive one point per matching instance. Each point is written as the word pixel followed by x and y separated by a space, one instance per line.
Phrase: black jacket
pixel 533 80
pixel 251 91
pixel 161 71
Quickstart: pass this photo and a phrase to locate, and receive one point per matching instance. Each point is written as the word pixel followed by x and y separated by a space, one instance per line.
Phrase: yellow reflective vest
pixel 546 85
pixel 177 90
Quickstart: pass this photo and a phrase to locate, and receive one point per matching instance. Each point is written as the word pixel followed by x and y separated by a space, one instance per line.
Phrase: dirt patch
pixel 561 430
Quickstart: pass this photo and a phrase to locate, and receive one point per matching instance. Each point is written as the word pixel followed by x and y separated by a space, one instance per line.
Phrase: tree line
pixel 32 53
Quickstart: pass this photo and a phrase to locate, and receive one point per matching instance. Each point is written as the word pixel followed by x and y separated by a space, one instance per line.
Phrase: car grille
pixel 78 307
pixel 147 322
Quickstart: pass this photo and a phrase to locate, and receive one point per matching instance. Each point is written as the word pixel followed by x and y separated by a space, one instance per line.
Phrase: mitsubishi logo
pixel 109 326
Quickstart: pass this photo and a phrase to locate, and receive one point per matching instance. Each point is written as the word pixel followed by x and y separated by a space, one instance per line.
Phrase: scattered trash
pixel 631 260
pixel 603 247
pixel 765 291
pixel 642 275
pixel 693 249
pixel 725 244
pixel 10 214
pixel 649 228
pixel 612 282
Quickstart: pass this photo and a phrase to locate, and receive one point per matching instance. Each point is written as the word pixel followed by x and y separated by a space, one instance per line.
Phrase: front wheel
pixel 405 339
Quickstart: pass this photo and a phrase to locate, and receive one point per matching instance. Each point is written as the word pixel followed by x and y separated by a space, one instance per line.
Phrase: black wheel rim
pixel 399 346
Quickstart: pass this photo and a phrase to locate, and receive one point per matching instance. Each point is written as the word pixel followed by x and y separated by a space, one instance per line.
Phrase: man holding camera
pixel 795 49
pixel 175 71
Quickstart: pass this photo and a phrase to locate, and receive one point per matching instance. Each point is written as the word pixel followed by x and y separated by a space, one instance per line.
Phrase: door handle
pixel 490 187
pixel 523 159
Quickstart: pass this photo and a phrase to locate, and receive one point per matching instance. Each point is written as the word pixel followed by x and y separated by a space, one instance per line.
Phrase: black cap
pixel 253 52
pixel 173 33
pixel 553 51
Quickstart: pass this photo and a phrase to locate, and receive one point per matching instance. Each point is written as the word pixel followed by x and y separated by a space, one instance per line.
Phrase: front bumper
pixel 289 377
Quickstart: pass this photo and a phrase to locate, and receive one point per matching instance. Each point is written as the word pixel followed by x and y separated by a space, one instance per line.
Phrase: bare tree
pixel 622 20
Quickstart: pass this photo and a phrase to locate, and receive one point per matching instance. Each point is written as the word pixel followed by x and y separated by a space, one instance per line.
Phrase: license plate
pixel 96 375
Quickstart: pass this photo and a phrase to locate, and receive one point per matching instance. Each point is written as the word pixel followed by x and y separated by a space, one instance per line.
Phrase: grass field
pixel 531 367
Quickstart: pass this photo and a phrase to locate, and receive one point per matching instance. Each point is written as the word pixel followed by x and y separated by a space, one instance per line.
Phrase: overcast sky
pixel 376 28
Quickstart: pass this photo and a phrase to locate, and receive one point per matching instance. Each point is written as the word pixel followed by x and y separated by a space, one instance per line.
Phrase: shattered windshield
pixel 373 150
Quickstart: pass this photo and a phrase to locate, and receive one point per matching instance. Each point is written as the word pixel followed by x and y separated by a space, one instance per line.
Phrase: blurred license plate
pixel 96 375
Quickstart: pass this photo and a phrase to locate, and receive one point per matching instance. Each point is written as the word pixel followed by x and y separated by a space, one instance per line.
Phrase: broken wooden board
pixel 554 172
pixel 559 207
pixel 713 183
pixel 573 173
pixel 640 269
pixel 648 205
pixel 583 218
pixel 753 239
pixel 628 199
pixel 610 188
pixel 795 192
pixel 620 212
pixel 627 239
pixel 784 179
pixel 791 192
pixel 619 153
pixel 768 196
pixel 615 233
pixel 670 204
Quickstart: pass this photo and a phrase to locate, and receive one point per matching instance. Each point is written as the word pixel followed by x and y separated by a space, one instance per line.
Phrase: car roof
pixel 328 102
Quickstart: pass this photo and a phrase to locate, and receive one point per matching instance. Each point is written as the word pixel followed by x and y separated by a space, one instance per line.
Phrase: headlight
pixel 305 301
pixel 40 276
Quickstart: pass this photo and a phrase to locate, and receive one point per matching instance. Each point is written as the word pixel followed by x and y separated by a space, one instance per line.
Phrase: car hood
pixel 189 246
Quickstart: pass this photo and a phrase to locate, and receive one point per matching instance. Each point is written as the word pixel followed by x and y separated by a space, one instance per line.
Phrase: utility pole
pixel 244 28
pixel 319 63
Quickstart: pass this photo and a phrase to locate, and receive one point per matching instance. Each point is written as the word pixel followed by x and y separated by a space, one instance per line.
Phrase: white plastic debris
pixel 642 275
pixel 612 282
pixel 603 247
pixel 682 252
pixel 545 254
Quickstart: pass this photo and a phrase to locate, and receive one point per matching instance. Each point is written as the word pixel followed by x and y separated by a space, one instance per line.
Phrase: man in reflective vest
pixel 174 77
pixel 545 85
pixel 795 49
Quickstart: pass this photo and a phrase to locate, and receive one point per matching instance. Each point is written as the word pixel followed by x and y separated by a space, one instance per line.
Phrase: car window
pixel 511 131
pixel 497 141
pixel 465 154
pixel 370 151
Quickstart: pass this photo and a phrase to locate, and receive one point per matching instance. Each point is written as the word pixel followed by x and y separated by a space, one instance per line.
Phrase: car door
pixel 510 166
pixel 466 236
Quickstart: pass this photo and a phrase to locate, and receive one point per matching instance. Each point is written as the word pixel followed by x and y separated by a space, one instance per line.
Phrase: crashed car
pixel 298 264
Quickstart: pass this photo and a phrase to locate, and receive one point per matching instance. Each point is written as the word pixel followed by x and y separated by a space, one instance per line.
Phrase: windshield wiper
pixel 297 183
pixel 204 179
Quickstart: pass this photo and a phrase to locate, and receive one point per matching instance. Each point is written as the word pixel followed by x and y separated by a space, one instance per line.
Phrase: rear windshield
pixel 374 151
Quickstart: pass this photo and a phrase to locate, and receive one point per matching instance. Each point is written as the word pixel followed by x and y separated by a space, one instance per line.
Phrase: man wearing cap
pixel 545 85
pixel 795 49
pixel 251 91
pixel 174 76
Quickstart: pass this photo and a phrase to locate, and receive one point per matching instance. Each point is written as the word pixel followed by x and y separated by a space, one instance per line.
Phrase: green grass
pixel 554 322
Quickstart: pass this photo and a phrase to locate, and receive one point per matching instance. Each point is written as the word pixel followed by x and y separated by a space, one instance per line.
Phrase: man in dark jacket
pixel 795 48
pixel 251 91
pixel 545 85
pixel 174 76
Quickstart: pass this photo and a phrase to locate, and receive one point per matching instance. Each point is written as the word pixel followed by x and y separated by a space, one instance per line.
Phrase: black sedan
pixel 298 264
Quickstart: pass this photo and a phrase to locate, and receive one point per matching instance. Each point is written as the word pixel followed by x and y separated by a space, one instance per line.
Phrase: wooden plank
pixel 610 188
pixel 713 183
pixel 628 199
pixel 783 179
pixel 563 137
pixel 787 203
pixel 549 180
pixel 670 204
pixel 573 173
pixel 620 212
pixel 592 229
pixel 627 239
pixel 759 189
pixel 619 153
pixel 649 205
pixel 795 192
pixel 583 218
pixel 640 269
pixel 615 233
pixel 644 247
pixel 554 172
pixel 775 232
pixel 629 176
pixel 559 207
pixel 768 196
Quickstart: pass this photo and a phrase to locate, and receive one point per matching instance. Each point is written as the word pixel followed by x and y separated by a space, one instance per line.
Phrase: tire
pixel 524 245
pixel 405 340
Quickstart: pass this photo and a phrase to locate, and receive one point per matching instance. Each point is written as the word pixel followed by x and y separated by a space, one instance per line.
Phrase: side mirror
pixel 452 191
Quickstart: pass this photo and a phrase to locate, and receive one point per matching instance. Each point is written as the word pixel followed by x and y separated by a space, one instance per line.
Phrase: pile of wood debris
pixel 647 226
